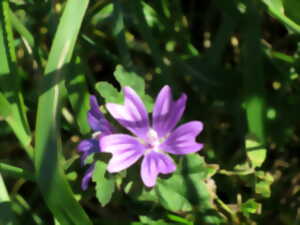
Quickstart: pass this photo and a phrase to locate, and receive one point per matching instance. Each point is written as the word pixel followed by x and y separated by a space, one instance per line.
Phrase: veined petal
pixel 132 115
pixel 153 164
pixel 126 150
pixel 87 147
pixel 87 177
pixel 166 112
pixel 182 139
pixel 96 119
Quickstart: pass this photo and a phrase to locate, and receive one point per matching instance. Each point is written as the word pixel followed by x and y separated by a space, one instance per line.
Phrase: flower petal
pixel 132 115
pixel 126 151
pixel 182 140
pixel 96 119
pixel 166 112
pixel 87 177
pixel 153 164
pixel 87 147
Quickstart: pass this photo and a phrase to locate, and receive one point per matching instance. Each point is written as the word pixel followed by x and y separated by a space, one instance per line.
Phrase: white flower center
pixel 153 141
pixel 96 134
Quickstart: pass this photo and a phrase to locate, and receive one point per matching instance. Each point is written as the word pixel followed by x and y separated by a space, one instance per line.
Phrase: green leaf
pixel 172 194
pixel 151 16
pixel 255 152
pixel 125 78
pixel 148 101
pixel 263 188
pixel 263 185
pixel 149 221
pixel 250 207
pixel 195 164
pixel 105 183
pixel 109 92
pixel 186 188
pixel 131 79
pixel 49 160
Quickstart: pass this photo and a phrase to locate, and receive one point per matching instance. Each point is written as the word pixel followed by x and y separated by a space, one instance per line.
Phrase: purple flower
pixel 101 127
pixel 151 142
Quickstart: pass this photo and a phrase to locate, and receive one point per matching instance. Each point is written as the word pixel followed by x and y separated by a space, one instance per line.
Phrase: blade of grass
pixel 50 176
pixel 255 102
pixel 22 30
pixel 6 216
pixel 275 8
pixel 9 81
pixel 78 94
pixel 253 74
pixel 119 33
pixel 146 33
pixel 15 172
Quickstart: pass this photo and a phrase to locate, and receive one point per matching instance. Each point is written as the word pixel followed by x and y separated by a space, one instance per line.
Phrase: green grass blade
pixel 146 33
pixel 275 8
pixel 253 74
pixel 9 81
pixel 15 172
pixel 255 103
pixel 78 94
pixel 48 158
pixel 119 33
pixel 21 29
pixel 7 216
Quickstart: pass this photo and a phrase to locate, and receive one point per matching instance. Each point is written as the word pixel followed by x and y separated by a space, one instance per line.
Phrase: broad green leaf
pixel 109 92
pixel 105 183
pixel 256 152
pixel 186 188
pixel 195 164
pixel 172 194
pixel 250 207
pixel 50 176
pixel 131 79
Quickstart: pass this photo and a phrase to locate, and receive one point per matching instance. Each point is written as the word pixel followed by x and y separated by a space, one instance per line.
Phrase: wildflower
pixel 101 127
pixel 153 143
